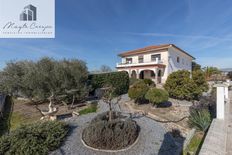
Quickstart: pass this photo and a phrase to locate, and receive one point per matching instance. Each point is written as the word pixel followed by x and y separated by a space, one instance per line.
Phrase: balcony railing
pixel 129 64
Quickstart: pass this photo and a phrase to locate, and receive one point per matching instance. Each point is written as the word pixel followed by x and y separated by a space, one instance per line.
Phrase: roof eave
pixel 172 45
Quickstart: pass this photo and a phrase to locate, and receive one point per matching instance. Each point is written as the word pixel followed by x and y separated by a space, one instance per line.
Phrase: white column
pixel 156 76
pixel 220 100
pixel 226 93
pixel 137 73
pixel 129 72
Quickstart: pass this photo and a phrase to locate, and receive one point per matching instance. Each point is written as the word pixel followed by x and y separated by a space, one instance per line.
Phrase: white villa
pixel 155 62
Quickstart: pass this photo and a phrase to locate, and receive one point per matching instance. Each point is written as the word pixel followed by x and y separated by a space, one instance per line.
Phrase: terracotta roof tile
pixel 149 48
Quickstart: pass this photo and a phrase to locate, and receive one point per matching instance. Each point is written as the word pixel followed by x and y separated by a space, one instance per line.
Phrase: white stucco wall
pixel 147 57
pixel 168 58
pixel 185 60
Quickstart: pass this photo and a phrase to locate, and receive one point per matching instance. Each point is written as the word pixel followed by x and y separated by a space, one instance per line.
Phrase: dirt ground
pixel 173 113
pixel 23 112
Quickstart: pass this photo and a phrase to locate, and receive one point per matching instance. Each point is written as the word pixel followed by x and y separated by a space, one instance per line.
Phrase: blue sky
pixel 97 30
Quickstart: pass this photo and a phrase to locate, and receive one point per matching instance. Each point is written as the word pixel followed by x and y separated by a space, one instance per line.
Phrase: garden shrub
pixel 111 135
pixel 39 138
pixel 200 118
pixel 138 91
pixel 180 86
pixel 199 79
pixel 133 81
pixel 149 82
pixel 118 80
pixel 156 96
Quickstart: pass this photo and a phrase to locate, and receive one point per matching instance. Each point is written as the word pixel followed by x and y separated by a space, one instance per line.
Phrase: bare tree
pixel 51 109
pixel 105 69
pixel 108 97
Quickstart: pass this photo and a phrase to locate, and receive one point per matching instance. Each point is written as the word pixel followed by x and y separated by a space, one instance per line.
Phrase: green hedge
pixel 118 80
pixel 37 138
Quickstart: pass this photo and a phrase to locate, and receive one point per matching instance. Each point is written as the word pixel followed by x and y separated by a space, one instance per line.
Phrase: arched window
pixel 133 74
pixel 152 74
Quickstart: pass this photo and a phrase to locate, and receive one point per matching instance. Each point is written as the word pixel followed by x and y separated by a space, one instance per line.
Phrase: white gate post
pixel 220 100
pixel 226 93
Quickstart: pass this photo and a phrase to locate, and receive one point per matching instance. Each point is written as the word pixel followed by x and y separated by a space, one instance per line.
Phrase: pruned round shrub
pixel 138 91
pixel 110 135
pixel 156 96
pixel 149 82
pixel 34 138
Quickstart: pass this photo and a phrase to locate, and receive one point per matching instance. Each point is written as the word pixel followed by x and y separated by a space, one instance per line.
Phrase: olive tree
pixel 39 80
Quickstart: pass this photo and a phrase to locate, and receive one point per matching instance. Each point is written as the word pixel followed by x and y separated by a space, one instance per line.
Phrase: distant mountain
pixel 226 69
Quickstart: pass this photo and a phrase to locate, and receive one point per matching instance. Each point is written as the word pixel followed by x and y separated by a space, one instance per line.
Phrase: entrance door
pixel 141 75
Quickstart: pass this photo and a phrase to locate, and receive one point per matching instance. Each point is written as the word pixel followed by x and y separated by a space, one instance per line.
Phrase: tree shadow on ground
pixel 7 113
pixel 172 143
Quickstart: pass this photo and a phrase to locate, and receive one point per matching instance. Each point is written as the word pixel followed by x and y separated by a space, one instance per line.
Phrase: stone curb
pixel 110 151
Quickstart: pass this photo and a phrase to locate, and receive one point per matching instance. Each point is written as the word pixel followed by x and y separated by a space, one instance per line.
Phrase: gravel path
pixel 153 139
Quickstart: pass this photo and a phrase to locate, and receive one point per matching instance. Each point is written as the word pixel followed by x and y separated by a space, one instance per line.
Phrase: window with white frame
pixel 128 60
pixel 155 56
pixel 140 58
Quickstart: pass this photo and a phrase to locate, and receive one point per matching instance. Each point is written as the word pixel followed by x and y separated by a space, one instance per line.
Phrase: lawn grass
pixel 90 109
pixel 18 119
pixel 195 144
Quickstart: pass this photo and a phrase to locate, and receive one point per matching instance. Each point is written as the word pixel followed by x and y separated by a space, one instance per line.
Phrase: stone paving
pixel 153 139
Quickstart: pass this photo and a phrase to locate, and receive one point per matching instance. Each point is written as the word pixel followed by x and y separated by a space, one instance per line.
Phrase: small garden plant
pixel 91 109
pixel 200 118
pixel 37 138
pixel 156 96
pixel 138 91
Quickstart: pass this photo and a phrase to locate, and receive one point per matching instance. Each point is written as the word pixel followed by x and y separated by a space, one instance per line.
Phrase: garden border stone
pixel 111 151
